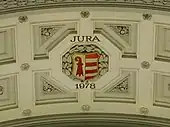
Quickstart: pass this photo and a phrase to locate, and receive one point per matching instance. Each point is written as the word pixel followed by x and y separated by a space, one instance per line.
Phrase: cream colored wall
pixel 148 82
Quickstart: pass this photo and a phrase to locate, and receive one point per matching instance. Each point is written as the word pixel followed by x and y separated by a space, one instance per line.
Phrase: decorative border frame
pixel 26 5
pixel 99 119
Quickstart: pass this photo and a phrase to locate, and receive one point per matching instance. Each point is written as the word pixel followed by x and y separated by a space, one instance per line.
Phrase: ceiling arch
pixel 90 119
pixel 23 5
pixel 33 89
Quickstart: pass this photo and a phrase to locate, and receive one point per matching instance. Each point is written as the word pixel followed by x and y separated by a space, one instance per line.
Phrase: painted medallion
pixel 85 62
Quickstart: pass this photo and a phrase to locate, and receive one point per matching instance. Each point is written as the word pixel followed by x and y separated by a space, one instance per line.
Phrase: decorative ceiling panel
pixel 8 92
pixel 162 38
pixel 7 45
pixel 123 36
pixel 121 90
pixel 46 37
pixel 162 89
pixel 48 90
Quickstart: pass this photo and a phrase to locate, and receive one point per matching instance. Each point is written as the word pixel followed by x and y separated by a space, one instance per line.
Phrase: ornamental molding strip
pixel 48 90
pixel 122 89
pixel 7 45
pixel 11 6
pixel 98 119
pixel 162 49
pixel 121 35
pixel 8 92
pixel 46 37
pixel 161 90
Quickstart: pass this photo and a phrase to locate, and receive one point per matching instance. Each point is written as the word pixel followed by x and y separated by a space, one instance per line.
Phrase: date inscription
pixel 84 85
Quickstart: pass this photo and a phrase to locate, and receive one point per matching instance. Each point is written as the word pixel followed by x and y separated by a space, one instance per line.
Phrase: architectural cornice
pixel 77 119
pixel 10 6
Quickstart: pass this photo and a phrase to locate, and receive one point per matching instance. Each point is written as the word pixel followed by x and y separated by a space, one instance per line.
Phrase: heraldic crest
pixel 85 62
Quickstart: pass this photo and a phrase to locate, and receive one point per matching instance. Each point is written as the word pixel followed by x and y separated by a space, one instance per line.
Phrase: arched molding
pixel 23 5
pixel 77 119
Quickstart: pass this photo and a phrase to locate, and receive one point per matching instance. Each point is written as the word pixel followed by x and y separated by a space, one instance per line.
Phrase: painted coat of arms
pixel 85 62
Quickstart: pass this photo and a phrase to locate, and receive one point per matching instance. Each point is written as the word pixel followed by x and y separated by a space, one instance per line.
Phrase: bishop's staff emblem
pixel 85 65
pixel 85 62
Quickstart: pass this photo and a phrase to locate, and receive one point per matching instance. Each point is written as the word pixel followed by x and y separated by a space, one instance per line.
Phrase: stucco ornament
pixel 144 110
pixel 145 65
pixel 85 107
pixel 147 16
pixel 27 112
pixel 85 14
pixel 25 66
pixel 23 19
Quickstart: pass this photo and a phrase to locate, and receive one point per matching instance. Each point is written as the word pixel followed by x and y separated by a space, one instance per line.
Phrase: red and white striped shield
pixel 85 65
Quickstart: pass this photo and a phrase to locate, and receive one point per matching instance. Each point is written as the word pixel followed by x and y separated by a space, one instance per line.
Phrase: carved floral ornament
pixel 85 14
pixel 122 87
pixel 122 30
pixel 147 16
pixel 26 112
pixel 145 65
pixel 48 87
pixel 22 19
pixel 144 110
pixel 49 31
pixel 25 66
pixel 85 107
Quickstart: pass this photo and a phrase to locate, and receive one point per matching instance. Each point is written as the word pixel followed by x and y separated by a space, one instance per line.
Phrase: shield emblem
pixel 85 65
